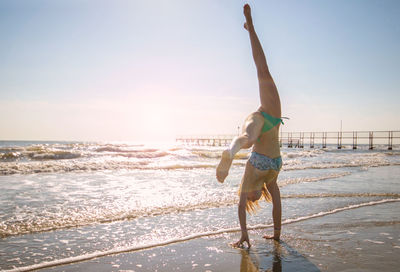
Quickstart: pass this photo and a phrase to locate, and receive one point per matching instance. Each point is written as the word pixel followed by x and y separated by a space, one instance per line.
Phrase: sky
pixel 153 70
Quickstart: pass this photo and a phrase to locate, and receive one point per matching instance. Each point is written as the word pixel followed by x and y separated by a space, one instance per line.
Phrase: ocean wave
pixel 217 155
pixel 146 163
pixel 117 149
pixel 10 156
pixel 55 155
pixel 289 181
pixel 54 221
pixel 143 155
pixel 43 152
pixel 119 250
pixel 67 157
pixel 10 149
pixel 328 165
pixel 350 195
pixel 24 168
pixel 303 154
pixel 38 156
pixel 37 152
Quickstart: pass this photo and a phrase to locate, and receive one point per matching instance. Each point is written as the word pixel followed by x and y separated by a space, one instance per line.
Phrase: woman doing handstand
pixel 260 131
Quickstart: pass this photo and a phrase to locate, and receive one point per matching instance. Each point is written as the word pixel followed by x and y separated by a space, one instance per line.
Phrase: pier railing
pixel 340 139
pixel 209 140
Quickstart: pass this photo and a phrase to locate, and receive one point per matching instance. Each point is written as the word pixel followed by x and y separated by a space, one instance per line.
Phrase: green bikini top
pixel 270 122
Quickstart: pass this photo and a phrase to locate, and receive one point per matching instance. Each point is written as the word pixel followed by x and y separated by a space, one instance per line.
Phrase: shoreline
pixel 320 243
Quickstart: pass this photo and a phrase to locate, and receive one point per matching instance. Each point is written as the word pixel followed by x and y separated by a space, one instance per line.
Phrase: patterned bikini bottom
pixel 262 162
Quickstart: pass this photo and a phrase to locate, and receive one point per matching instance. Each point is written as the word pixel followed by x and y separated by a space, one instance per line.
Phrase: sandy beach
pixel 330 243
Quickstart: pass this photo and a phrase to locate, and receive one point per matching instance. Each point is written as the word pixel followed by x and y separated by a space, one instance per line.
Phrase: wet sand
pixel 362 239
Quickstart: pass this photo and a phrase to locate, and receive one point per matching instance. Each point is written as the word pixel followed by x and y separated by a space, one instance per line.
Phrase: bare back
pixel 268 143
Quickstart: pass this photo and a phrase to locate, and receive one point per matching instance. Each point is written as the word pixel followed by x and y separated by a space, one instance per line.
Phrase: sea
pixel 64 202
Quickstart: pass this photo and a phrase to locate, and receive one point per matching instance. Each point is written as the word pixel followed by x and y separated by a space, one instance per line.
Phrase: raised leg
pixel 251 132
pixel 269 97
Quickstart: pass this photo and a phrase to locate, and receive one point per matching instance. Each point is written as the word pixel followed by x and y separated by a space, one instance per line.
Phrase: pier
pixel 340 139
pixel 216 140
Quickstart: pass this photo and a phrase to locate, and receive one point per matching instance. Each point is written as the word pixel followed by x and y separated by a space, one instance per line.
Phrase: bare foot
pixel 247 14
pixel 223 166
pixel 247 11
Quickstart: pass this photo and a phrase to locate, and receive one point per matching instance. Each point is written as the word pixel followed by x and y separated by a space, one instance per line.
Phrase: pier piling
pixel 312 136
pixel 339 140
pixel 324 135
pixel 390 143
pixel 354 139
pixel 371 140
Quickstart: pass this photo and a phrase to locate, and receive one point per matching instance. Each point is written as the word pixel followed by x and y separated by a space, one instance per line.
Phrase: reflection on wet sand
pixel 273 259
pixel 246 265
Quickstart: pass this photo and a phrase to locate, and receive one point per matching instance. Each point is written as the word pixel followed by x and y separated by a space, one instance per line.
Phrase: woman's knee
pixel 252 138
pixel 249 140
pixel 252 128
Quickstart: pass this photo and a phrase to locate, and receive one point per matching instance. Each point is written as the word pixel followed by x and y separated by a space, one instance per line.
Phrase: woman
pixel 260 130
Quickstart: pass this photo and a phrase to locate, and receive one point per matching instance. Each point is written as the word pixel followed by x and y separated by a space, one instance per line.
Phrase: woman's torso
pixel 268 142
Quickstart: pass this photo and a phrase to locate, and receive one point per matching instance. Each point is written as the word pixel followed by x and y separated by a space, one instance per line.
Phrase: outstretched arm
pixel 242 221
pixel 268 92
pixel 273 189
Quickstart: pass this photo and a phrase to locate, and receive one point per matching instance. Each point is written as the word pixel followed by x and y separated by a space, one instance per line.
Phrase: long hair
pixel 252 206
